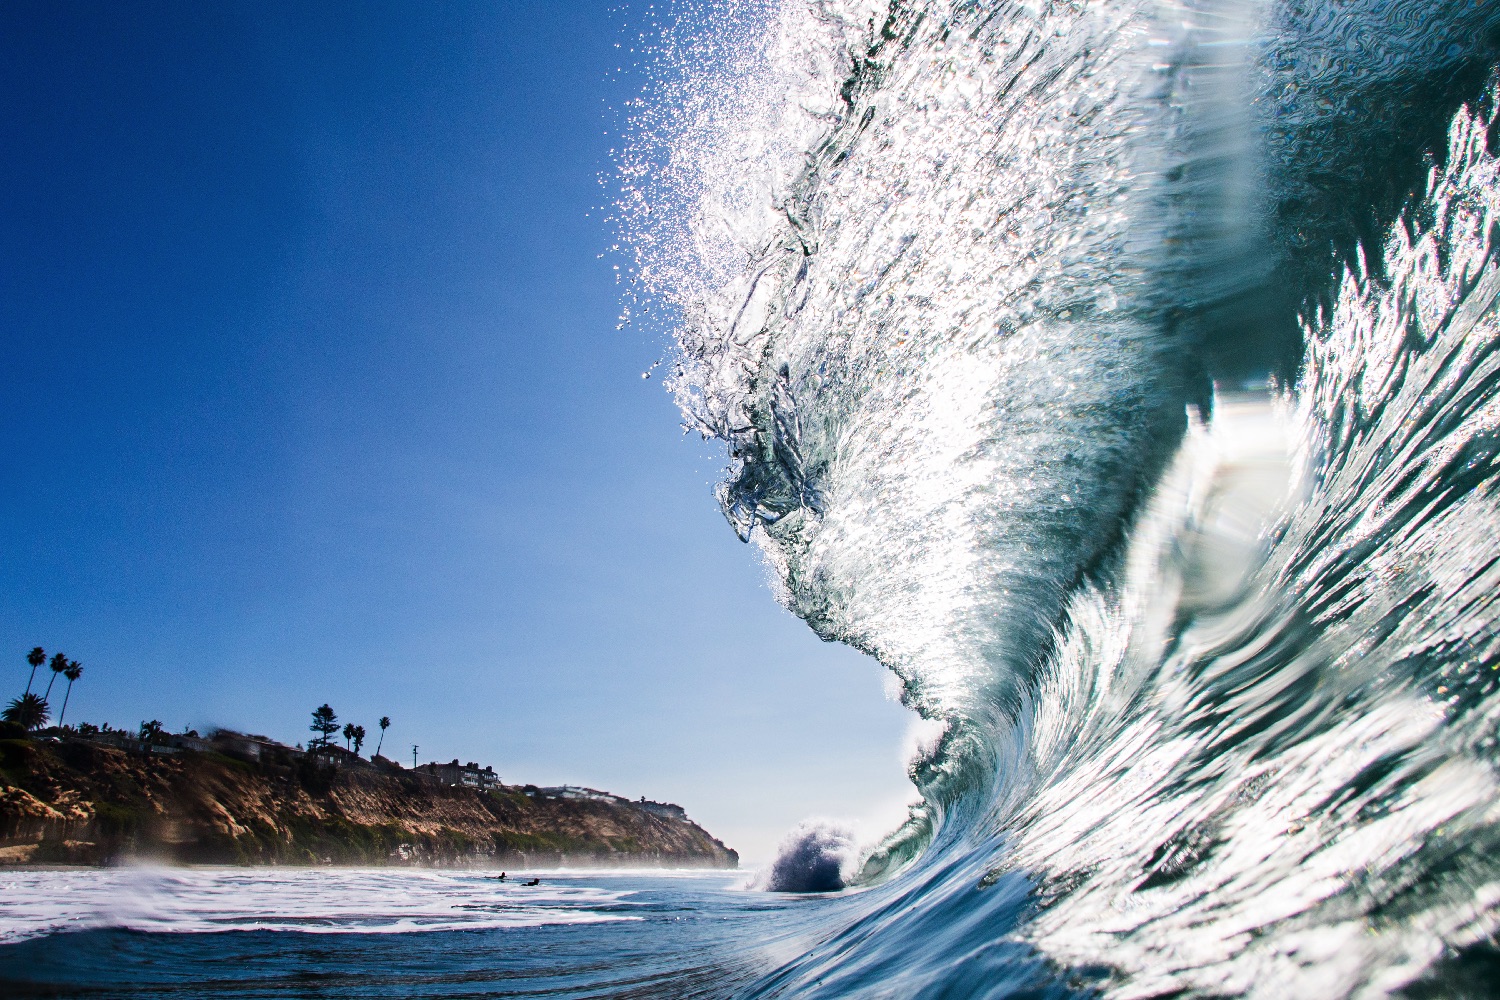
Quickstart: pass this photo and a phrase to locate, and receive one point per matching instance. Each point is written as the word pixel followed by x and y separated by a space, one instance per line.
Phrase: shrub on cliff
pixel 314 778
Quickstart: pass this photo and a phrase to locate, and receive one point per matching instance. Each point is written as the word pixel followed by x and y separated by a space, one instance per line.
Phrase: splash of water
pixel 1215 675
pixel 817 856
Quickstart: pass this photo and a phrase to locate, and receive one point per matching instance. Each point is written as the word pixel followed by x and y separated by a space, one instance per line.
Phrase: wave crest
pixel 1216 675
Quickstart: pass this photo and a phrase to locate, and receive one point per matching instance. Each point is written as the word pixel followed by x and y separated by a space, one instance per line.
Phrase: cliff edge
pixel 77 801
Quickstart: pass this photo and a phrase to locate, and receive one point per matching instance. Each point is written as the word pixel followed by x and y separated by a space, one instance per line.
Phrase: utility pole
pixel 414 757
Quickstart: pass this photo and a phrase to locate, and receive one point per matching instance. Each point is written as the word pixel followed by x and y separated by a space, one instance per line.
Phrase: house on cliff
pixel 120 739
pixel 666 810
pixel 251 747
pixel 185 741
pixel 469 775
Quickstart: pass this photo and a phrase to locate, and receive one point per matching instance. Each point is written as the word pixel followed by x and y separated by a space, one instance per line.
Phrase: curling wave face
pixel 1218 673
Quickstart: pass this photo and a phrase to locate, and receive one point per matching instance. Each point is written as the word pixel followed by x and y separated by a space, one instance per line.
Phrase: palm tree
pixel 58 665
pixel 359 738
pixel 152 731
pixel 36 658
pixel 385 723
pixel 73 672
pixel 348 733
pixel 28 711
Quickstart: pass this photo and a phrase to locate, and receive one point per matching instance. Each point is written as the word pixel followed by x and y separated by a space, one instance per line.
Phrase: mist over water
pixel 1120 376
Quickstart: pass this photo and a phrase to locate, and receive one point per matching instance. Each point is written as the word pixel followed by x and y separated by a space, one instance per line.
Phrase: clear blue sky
pixel 312 392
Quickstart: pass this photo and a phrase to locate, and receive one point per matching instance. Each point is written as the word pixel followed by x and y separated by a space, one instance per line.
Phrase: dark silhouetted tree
pixel 358 735
pixel 152 731
pixel 73 672
pixel 325 724
pixel 36 658
pixel 348 734
pixel 385 723
pixel 58 665
pixel 29 711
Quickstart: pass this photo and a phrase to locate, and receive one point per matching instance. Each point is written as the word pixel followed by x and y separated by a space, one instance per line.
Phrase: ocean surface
pixel 142 932
pixel 1123 377
pixel 236 932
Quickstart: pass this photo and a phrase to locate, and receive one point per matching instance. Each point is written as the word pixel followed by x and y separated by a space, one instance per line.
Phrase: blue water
pixel 382 933
pixel 233 933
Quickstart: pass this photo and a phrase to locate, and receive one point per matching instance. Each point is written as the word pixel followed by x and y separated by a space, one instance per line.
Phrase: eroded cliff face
pixel 83 803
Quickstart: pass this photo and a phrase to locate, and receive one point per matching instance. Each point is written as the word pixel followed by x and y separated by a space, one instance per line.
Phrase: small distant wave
pixel 817 856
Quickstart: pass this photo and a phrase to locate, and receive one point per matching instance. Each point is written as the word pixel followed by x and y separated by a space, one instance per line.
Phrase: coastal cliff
pixel 75 801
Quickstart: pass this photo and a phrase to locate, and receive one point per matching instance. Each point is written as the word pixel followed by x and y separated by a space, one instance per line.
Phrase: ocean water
pixel 237 932
pixel 410 933
pixel 1123 377
pixel 291 933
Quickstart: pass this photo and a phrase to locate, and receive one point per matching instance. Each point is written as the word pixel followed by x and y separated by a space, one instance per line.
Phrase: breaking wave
pixel 1123 377
pixel 815 857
